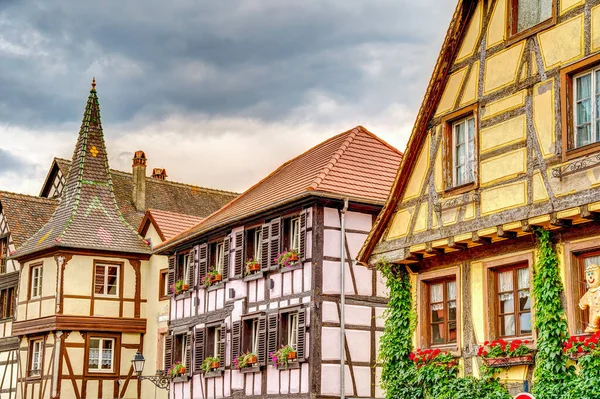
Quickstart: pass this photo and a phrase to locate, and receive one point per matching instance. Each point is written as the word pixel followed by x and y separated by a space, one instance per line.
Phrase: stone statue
pixel 591 298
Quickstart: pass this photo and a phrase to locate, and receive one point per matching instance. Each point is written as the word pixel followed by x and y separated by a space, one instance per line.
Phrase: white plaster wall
pixel 332 278
pixel 358 315
pixel 359 344
pixel 330 343
pixel 330 379
pixel 330 313
pixel 331 217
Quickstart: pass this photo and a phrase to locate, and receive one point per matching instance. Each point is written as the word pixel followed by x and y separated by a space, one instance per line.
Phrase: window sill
pixel 213 374
pixel 254 369
pixel 215 287
pixel 581 151
pixel 291 366
pixel 255 276
pixel 517 37
pixel 34 377
pixel 451 191
pixel 181 378
pixel 6 319
pixel 452 349
pixel 295 266
pixel 183 295
pixel 163 298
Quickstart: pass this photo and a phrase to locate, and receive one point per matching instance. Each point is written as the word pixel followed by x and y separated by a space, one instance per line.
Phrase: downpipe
pixel 343 302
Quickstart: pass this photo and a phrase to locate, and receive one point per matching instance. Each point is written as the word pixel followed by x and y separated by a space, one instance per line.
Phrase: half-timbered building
pixel 89 295
pixel 506 140
pixel 264 273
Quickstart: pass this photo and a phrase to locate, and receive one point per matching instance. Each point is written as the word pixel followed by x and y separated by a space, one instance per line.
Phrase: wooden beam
pixel 431 250
pixel 481 240
pixel 506 234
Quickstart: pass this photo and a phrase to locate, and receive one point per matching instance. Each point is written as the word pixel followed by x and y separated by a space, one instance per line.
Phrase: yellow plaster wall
pixel 471 38
pixel 128 309
pixel 92 388
pixel 78 278
pixel 106 308
pixel 501 134
pixel 449 216
pixel 566 5
pixel 417 177
pixel 76 356
pixel 499 198
pixel 497 26
pixel 469 211
pixel 539 189
pixel 502 167
pixel 399 226
pixel 451 91
pixel 577 182
pixel 129 277
pixel 501 69
pixel 595 28
pixel 48 307
pixel 470 93
pixel 422 216
pixel 503 105
pixel 477 301
pixel 77 307
pixel 438 177
pixel 563 43
pixel 543 116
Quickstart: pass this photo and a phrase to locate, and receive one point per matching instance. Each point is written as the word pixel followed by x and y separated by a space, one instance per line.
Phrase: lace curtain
pixel 436 294
pixel 532 12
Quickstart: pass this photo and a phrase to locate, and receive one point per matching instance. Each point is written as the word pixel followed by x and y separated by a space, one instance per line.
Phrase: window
pixel 6 302
pixel 585 260
pixel 106 280
pixel 442 312
pixel 513 301
pixel 101 354
pixel 35 282
pixel 586 115
pixel 291 234
pixel 180 348
pixel 526 14
pixel 219 258
pixel 183 265
pixel 460 150
pixel 289 329
pixel 213 340
pixel 163 285
pixel 251 336
pixel 3 253
pixel 35 357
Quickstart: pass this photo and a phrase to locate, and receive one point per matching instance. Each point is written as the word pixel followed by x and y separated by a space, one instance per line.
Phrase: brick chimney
pixel 160 174
pixel 139 181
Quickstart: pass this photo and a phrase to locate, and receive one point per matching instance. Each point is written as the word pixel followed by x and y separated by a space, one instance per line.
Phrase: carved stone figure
pixel 591 298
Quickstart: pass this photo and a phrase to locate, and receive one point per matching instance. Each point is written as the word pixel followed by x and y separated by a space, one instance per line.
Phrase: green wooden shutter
pixel 226 258
pixel 301 347
pixel 274 241
pixel 239 254
pixel 273 321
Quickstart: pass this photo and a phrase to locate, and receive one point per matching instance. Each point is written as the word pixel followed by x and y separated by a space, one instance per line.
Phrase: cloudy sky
pixel 217 92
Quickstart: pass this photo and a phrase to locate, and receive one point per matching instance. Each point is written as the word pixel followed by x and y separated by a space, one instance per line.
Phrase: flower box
pixel 217 277
pixel 251 360
pixel 294 257
pixel 215 364
pixel 254 267
pixel 185 287
pixel 508 361
pixel 292 356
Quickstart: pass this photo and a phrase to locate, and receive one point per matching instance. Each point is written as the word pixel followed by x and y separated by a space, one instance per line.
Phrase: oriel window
pixel 106 281
pixel 101 354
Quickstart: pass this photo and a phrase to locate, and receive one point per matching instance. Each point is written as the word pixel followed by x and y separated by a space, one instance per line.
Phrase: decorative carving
pixel 577 165
pixel 457 202
pixel 61 262
pixel 136 264
pixel 591 299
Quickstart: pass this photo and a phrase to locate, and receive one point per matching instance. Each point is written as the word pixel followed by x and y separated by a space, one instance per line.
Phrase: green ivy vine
pixel 551 372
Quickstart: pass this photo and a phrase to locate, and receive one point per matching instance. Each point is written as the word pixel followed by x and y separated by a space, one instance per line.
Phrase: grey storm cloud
pixel 9 163
pixel 262 59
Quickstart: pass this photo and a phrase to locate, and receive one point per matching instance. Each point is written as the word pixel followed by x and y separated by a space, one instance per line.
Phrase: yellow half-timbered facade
pixel 507 140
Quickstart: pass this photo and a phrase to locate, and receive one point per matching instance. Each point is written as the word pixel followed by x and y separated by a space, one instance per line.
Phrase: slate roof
pixel 168 224
pixel 354 164
pixel 87 215
pixel 25 214
pixel 162 195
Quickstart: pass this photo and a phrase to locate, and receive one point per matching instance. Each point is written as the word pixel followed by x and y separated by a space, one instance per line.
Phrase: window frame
pixel 106 265
pixel 3 254
pixel 448 123
pixel 220 256
pixel 163 284
pixel 184 347
pixel 567 79
pixel 116 358
pixel 212 349
pixel 491 330
pixel 284 332
pixel 424 281
pixel 7 303
pixel 40 276
pixel 512 36
pixel 182 270
pixel 32 343
pixel 249 336
pixel 514 267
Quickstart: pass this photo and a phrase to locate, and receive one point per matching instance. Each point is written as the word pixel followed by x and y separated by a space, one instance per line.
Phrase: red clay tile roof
pixel 87 215
pixel 25 214
pixel 355 164
pixel 162 195
pixel 168 224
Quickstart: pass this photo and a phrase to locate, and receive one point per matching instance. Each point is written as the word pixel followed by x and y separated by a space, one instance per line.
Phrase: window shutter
pixel 275 241
pixel 168 351
pixel 265 260
pixel 262 341
pixel 222 345
pixel 226 258
pixel 302 254
pixel 198 349
pixel 190 276
pixel 239 254
pixel 171 276
pixel 301 347
pixel 236 334
pixel 202 262
pixel 273 320
pixel 188 354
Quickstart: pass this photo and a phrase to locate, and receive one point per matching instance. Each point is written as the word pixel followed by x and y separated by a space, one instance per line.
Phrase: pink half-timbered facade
pixel 256 305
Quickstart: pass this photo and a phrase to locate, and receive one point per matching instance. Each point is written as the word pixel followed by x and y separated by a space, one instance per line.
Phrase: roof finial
pixel 94 84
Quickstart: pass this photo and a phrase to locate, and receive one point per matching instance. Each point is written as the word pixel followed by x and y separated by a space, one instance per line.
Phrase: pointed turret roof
pixel 87 216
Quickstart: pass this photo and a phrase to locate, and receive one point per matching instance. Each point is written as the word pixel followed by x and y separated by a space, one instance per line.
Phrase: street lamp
pixel 160 379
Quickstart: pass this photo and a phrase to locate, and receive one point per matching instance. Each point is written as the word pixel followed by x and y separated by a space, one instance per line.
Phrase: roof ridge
pixel 334 158
pixel 28 197
pixel 376 137
pixel 171 182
